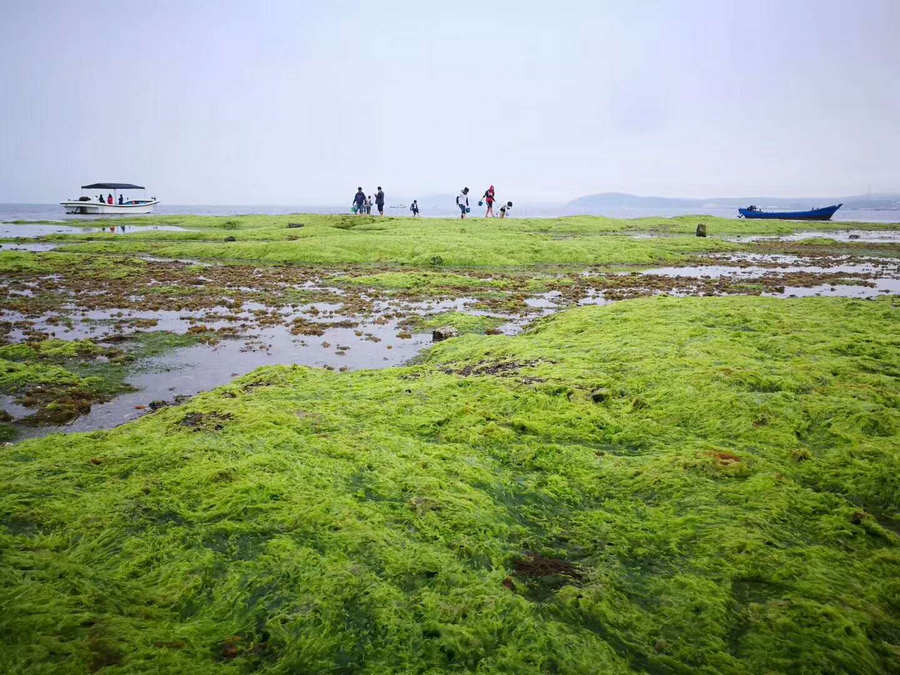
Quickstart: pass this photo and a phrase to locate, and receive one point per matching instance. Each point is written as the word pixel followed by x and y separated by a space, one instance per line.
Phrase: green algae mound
pixel 662 485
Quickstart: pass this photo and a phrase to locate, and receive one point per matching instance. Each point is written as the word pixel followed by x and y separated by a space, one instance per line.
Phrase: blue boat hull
pixel 814 214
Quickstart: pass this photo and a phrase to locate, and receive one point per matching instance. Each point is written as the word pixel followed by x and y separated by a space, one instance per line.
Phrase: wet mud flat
pixel 241 317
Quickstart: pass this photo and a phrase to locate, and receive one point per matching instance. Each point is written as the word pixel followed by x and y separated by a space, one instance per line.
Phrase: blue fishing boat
pixel 814 214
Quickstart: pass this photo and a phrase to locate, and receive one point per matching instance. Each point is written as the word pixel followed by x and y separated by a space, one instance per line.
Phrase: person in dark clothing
pixel 379 201
pixel 100 199
pixel 414 207
pixel 121 201
pixel 359 201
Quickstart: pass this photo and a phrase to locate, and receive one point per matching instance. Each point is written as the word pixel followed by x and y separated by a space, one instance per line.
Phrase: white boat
pixel 101 204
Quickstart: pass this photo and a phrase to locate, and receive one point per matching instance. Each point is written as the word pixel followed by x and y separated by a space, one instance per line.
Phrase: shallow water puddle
pixel 131 229
pixel 376 341
pixel 879 287
pixel 32 231
pixel 779 265
pixel 34 248
pixel 191 370
pixel 871 236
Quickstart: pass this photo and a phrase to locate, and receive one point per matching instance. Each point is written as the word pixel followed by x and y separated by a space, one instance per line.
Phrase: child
pixel 504 209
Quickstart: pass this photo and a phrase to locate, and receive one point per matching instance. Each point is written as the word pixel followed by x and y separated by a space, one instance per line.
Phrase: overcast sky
pixel 299 102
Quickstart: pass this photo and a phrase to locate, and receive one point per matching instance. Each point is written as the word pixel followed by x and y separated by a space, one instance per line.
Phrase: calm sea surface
pixel 12 212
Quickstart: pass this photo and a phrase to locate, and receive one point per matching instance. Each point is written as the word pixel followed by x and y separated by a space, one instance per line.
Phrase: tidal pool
pixel 872 236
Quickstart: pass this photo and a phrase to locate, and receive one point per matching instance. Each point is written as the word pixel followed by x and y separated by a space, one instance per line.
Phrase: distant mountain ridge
pixel 616 200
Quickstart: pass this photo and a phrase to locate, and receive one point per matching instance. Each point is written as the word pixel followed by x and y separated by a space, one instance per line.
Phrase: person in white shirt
pixel 462 201
pixel 505 209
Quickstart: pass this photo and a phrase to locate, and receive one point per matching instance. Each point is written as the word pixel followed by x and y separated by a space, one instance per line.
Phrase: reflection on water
pixel 32 231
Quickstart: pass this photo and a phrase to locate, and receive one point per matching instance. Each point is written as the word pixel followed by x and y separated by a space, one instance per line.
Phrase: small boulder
pixel 230 239
pixel 443 333
pixel 156 405
pixel 853 236
pixel 293 226
pixel 599 395
pixel 701 230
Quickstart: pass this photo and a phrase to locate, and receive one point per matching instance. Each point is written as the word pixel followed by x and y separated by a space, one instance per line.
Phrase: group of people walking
pixel 488 198
pixel 362 204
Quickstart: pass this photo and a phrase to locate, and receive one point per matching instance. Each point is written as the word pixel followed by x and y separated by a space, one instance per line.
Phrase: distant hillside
pixel 597 203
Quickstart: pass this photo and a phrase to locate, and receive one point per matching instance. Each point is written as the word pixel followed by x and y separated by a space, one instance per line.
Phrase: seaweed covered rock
pixel 443 333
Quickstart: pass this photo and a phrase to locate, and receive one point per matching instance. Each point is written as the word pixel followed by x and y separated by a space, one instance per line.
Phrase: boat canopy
pixel 112 186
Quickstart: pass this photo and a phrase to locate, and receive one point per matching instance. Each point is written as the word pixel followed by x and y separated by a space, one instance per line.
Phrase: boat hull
pixel 108 209
pixel 814 214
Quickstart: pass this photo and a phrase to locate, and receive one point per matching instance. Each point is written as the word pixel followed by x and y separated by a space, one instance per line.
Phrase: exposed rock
pixel 211 421
pixel 156 405
pixel 230 239
pixel 701 230
pixel 599 395
pixel 443 333
pixel 294 225
pixel 534 565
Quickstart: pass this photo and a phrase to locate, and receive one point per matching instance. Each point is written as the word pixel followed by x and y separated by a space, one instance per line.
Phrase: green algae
pixel 661 485
pixel 422 281
pixel 351 240
pixel 462 322
pixel 7 432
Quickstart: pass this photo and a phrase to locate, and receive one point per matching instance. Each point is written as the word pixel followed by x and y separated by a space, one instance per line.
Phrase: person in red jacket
pixel 489 199
pixel 109 198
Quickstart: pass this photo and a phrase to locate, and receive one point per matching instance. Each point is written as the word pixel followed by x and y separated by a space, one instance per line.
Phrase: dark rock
pixel 211 421
pixel 599 395
pixel 156 405
pixel 294 225
pixel 443 333
pixel 230 239
pixel 5 416
pixel 701 230
pixel 535 566
pixel 853 236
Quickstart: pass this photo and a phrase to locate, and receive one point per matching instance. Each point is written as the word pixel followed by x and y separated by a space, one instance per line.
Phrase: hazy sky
pixel 297 103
